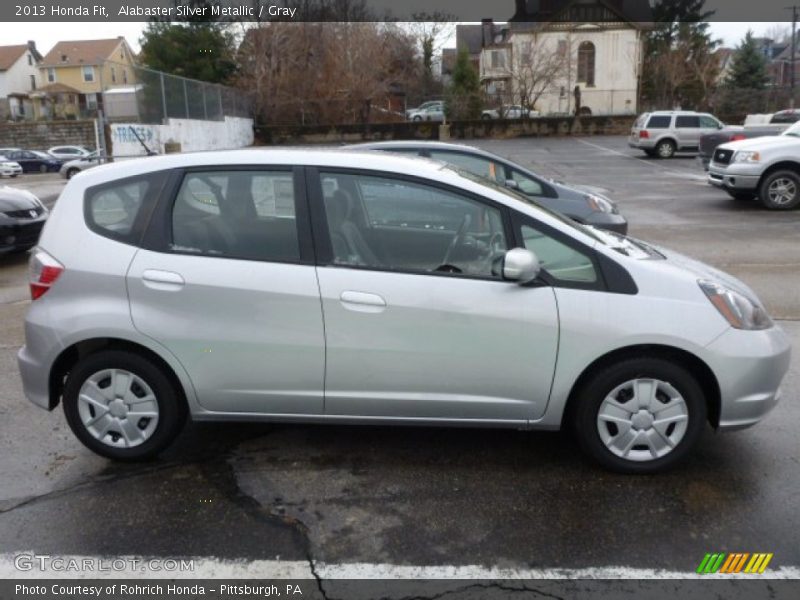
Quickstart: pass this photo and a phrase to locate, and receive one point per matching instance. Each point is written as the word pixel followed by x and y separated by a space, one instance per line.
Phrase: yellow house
pixel 74 74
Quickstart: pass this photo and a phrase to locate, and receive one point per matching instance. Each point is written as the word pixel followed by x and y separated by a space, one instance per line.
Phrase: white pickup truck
pixel 766 167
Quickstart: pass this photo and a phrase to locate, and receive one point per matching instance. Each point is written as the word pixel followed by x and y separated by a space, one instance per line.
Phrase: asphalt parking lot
pixel 434 497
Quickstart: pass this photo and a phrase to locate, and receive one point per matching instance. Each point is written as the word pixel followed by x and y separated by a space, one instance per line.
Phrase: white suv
pixel 661 134
pixel 360 287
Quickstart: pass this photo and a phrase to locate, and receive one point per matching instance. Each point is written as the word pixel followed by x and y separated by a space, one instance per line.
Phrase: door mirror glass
pixel 520 265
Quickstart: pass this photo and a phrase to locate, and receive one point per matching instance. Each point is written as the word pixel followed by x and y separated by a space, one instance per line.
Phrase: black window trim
pixel 319 222
pixel 143 218
pixel 158 236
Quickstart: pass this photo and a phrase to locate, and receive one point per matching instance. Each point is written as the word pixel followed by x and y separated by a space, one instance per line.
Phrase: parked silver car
pixel 72 167
pixel 387 290
pixel 663 133
pixel 431 112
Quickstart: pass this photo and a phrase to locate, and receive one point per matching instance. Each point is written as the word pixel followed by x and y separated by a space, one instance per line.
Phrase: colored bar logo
pixel 736 562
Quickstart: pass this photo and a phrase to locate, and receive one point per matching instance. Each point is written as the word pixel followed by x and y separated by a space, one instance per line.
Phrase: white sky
pixel 47 34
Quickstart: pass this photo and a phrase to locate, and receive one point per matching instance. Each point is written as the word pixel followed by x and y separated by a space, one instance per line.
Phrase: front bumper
pixel 732 178
pixel 20 235
pixel 750 366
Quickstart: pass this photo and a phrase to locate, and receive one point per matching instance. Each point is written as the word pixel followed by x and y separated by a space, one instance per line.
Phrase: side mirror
pixel 512 185
pixel 520 265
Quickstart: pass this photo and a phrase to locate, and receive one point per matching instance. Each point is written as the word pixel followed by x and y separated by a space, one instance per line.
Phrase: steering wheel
pixel 458 238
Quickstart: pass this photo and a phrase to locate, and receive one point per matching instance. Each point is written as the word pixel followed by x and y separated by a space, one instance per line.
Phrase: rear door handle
pixel 362 301
pixel 162 280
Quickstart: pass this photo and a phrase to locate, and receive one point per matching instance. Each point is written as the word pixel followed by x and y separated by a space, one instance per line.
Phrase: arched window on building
pixel 586 63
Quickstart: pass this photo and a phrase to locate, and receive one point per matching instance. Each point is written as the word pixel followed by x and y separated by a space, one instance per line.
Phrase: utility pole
pixel 794 51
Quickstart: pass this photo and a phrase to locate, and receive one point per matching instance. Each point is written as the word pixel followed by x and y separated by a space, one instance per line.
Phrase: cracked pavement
pixel 429 496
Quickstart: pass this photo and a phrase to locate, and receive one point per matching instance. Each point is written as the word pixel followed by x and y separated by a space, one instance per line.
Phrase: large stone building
pixel 556 54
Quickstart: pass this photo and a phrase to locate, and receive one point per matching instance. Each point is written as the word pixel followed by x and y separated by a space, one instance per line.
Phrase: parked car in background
pixel 433 112
pixel 766 167
pixel 663 133
pixel 423 106
pixel 582 205
pixel 72 167
pixel 754 126
pixel 9 168
pixel 69 152
pixel 420 295
pixel 22 217
pixel 31 163
pixel 508 112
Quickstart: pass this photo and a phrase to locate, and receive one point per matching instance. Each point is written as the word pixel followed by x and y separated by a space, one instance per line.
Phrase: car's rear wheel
pixel 780 190
pixel 640 415
pixel 650 153
pixel 741 195
pixel 417 118
pixel 665 149
pixel 42 168
pixel 72 172
pixel 122 406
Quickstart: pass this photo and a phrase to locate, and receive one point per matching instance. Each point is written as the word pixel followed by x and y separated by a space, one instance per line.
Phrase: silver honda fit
pixel 343 287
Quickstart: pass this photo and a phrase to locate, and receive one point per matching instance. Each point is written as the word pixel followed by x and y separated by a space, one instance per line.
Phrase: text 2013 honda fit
pixel 343 287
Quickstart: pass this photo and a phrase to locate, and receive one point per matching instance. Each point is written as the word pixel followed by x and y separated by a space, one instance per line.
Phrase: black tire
pixel 743 196
pixel 171 406
pixel 592 394
pixel 42 168
pixel 769 190
pixel 417 118
pixel 665 149
pixel 486 117
pixel 72 172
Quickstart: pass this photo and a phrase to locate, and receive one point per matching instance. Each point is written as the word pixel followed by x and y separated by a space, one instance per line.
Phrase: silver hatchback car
pixel 344 287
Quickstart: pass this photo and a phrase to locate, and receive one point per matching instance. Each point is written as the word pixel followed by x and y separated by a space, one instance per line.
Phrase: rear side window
pixel 688 122
pixel 237 214
pixel 120 210
pixel 659 122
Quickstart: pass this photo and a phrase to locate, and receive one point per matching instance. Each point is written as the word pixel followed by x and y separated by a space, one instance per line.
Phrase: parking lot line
pixel 649 163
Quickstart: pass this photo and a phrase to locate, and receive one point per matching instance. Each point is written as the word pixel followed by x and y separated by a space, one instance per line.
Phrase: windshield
pixel 794 130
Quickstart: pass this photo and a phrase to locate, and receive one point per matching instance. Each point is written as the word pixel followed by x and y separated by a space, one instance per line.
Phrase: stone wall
pixel 493 128
pixel 41 135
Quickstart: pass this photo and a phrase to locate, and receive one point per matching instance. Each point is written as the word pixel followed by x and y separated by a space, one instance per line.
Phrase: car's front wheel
pixel 780 190
pixel 640 415
pixel 72 172
pixel 122 406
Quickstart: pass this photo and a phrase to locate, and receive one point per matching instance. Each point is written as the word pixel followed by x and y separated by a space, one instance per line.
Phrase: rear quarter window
pixel 119 210
pixel 659 122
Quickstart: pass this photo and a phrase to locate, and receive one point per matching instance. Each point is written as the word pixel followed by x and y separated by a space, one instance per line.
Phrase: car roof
pixel 422 144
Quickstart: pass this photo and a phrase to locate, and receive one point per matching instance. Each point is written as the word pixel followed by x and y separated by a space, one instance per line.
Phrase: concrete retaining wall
pixel 546 126
pixel 192 136
pixel 41 135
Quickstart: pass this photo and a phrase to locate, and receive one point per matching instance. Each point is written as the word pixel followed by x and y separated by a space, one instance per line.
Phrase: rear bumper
pixel 750 366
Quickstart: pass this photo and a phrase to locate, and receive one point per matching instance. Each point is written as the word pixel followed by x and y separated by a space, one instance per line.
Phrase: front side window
pixel 527 185
pixel 237 214
pixel 88 73
pixel 561 261
pixel 480 166
pixel 709 123
pixel 398 225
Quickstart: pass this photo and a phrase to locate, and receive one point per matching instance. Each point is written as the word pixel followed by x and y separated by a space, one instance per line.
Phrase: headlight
pixel 744 156
pixel 601 204
pixel 738 310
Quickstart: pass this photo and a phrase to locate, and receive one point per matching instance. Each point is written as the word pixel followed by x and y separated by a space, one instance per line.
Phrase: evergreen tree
pixel 463 99
pixel 749 68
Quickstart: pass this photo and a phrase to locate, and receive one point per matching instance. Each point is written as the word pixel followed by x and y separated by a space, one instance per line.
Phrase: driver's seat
pixel 349 246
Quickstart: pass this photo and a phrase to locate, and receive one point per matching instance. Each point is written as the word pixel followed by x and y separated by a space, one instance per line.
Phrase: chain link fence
pixel 152 97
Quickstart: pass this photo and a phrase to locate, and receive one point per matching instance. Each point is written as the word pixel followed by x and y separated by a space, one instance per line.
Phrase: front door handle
pixel 362 301
pixel 162 280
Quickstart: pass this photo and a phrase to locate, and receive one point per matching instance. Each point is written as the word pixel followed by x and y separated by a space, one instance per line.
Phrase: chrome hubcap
pixel 118 408
pixel 642 419
pixel 782 191
pixel 665 150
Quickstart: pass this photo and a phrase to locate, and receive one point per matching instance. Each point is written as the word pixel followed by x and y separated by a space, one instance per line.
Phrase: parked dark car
pixel 580 204
pixel 22 217
pixel 33 163
pixel 777 124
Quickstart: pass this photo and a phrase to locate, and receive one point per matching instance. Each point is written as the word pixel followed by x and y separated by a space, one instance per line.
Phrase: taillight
pixel 644 134
pixel 44 271
pixel 738 137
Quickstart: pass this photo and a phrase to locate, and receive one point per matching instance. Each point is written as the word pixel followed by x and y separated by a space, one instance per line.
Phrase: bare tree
pixel 537 67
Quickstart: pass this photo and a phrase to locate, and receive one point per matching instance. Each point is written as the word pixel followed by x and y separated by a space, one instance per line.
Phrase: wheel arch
pixel 783 165
pixel 696 366
pixel 70 356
